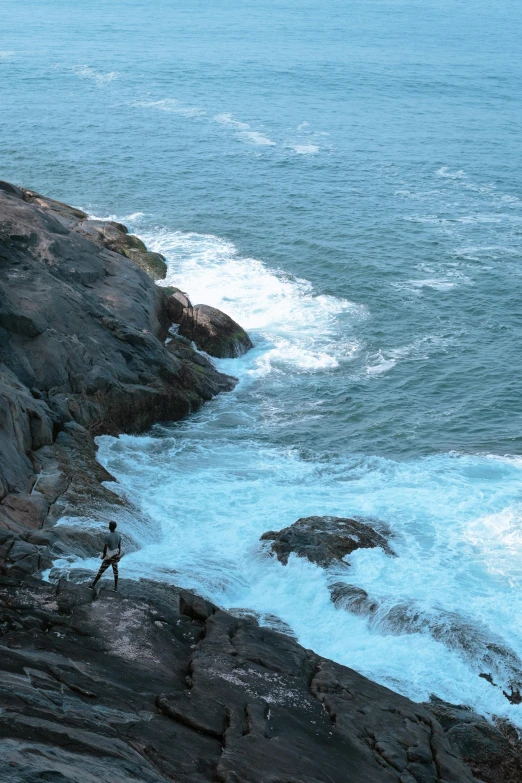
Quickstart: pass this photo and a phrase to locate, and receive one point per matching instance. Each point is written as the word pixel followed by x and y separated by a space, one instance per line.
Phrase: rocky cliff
pixel 82 352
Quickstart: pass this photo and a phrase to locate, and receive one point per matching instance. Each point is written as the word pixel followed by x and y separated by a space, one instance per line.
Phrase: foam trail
pixel 244 130
pixel 101 78
pixel 172 105
pixel 305 149
pixel 256 138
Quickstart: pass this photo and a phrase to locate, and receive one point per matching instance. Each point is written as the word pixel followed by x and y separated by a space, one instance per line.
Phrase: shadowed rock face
pixel 129 688
pixel 214 332
pixel 324 540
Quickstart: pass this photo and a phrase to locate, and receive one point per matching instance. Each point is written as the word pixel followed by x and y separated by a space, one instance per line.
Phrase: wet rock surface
pixel 324 540
pixel 150 685
pixel 214 332
pixel 353 599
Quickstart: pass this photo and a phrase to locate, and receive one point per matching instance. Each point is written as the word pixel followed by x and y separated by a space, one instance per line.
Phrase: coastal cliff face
pixel 82 352
pixel 82 336
pixel 154 685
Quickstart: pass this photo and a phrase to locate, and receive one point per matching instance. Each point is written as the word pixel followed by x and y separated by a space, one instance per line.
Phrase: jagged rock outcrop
pixel 82 352
pixel 324 540
pixel 127 688
pixel 214 332
pixel 115 236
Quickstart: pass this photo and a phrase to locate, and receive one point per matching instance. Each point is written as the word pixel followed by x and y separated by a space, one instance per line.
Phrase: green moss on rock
pixel 152 263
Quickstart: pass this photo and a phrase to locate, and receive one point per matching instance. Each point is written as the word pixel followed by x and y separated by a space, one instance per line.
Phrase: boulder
pixel 214 332
pixel 324 540
pixel 115 236
pixel 112 235
pixel 177 302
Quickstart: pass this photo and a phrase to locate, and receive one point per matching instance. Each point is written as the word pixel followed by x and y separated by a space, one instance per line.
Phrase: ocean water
pixel 343 178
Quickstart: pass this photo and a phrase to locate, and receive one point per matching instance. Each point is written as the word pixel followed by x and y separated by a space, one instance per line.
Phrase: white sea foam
pixel 435 283
pixel 256 138
pixel 244 131
pixel 228 119
pixel 100 77
pixel 447 174
pixel 457 532
pixel 380 364
pixel 5 54
pixel 305 149
pixel 290 324
pixel 480 252
pixel 134 217
pixel 173 106
pixel 386 359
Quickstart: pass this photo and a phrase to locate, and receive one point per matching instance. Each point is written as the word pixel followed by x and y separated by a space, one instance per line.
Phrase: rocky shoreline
pixel 154 684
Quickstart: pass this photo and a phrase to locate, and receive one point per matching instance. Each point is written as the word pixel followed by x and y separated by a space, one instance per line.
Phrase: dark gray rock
pixel 177 302
pixel 214 332
pixel 324 540
pixel 493 751
pixel 353 599
pixel 125 687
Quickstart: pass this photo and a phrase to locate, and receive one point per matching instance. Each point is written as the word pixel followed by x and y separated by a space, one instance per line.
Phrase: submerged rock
pixel 353 599
pixel 324 540
pixel 214 332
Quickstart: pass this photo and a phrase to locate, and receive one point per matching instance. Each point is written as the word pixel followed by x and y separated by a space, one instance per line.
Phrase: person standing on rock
pixel 111 555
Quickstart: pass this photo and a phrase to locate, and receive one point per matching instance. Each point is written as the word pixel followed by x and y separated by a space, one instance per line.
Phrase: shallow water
pixel 344 180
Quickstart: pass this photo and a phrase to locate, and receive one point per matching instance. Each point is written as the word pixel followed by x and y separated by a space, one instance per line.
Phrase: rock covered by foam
pixel 324 540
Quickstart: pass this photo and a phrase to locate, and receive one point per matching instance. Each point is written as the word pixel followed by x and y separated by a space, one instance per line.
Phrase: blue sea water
pixel 344 178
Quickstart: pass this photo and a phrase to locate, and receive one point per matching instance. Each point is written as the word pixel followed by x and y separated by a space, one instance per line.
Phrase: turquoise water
pixel 344 179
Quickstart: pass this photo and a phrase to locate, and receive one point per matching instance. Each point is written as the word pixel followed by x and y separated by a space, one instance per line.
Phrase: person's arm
pixel 119 548
pixel 104 551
